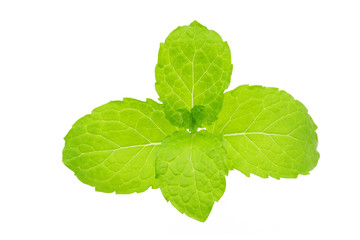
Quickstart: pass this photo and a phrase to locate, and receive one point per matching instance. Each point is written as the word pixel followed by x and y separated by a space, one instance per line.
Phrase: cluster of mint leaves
pixel 187 144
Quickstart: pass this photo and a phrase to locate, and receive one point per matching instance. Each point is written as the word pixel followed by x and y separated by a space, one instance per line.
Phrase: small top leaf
pixel 113 148
pixel 267 132
pixel 193 70
pixel 191 169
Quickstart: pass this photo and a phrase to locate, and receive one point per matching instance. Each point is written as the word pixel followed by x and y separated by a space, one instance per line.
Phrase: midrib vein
pixel 193 72
pixel 194 172
pixel 258 133
pixel 116 149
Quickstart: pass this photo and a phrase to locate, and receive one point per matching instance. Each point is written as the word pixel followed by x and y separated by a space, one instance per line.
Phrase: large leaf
pixel 191 169
pixel 267 132
pixel 193 70
pixel 113 148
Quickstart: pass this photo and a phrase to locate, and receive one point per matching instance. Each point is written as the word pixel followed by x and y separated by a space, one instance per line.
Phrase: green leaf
pixel 191 169
pixel 267 132
pixel 113 148
pixel 193 70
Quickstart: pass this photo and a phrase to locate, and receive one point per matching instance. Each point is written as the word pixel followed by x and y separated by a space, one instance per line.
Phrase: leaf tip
pixel 195 23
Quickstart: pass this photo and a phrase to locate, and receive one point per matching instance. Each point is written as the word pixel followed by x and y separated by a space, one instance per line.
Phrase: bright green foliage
pixel 127 146
pixel 191 169
pixel 193 70
pixel 267 132
pixel 113 148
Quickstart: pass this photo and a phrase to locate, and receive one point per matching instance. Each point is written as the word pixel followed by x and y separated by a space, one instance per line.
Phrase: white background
pixel 61 59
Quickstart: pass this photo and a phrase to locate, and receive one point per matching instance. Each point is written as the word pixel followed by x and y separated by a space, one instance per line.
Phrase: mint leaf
pixel 113 148
pixel 267 132
pixel 191 170
pixel 193 70
pixel 127 146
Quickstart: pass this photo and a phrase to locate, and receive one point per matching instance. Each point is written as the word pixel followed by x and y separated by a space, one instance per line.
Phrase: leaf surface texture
pixel 191 169
pixel 113 148
pixel 267 132
pixel 193 70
